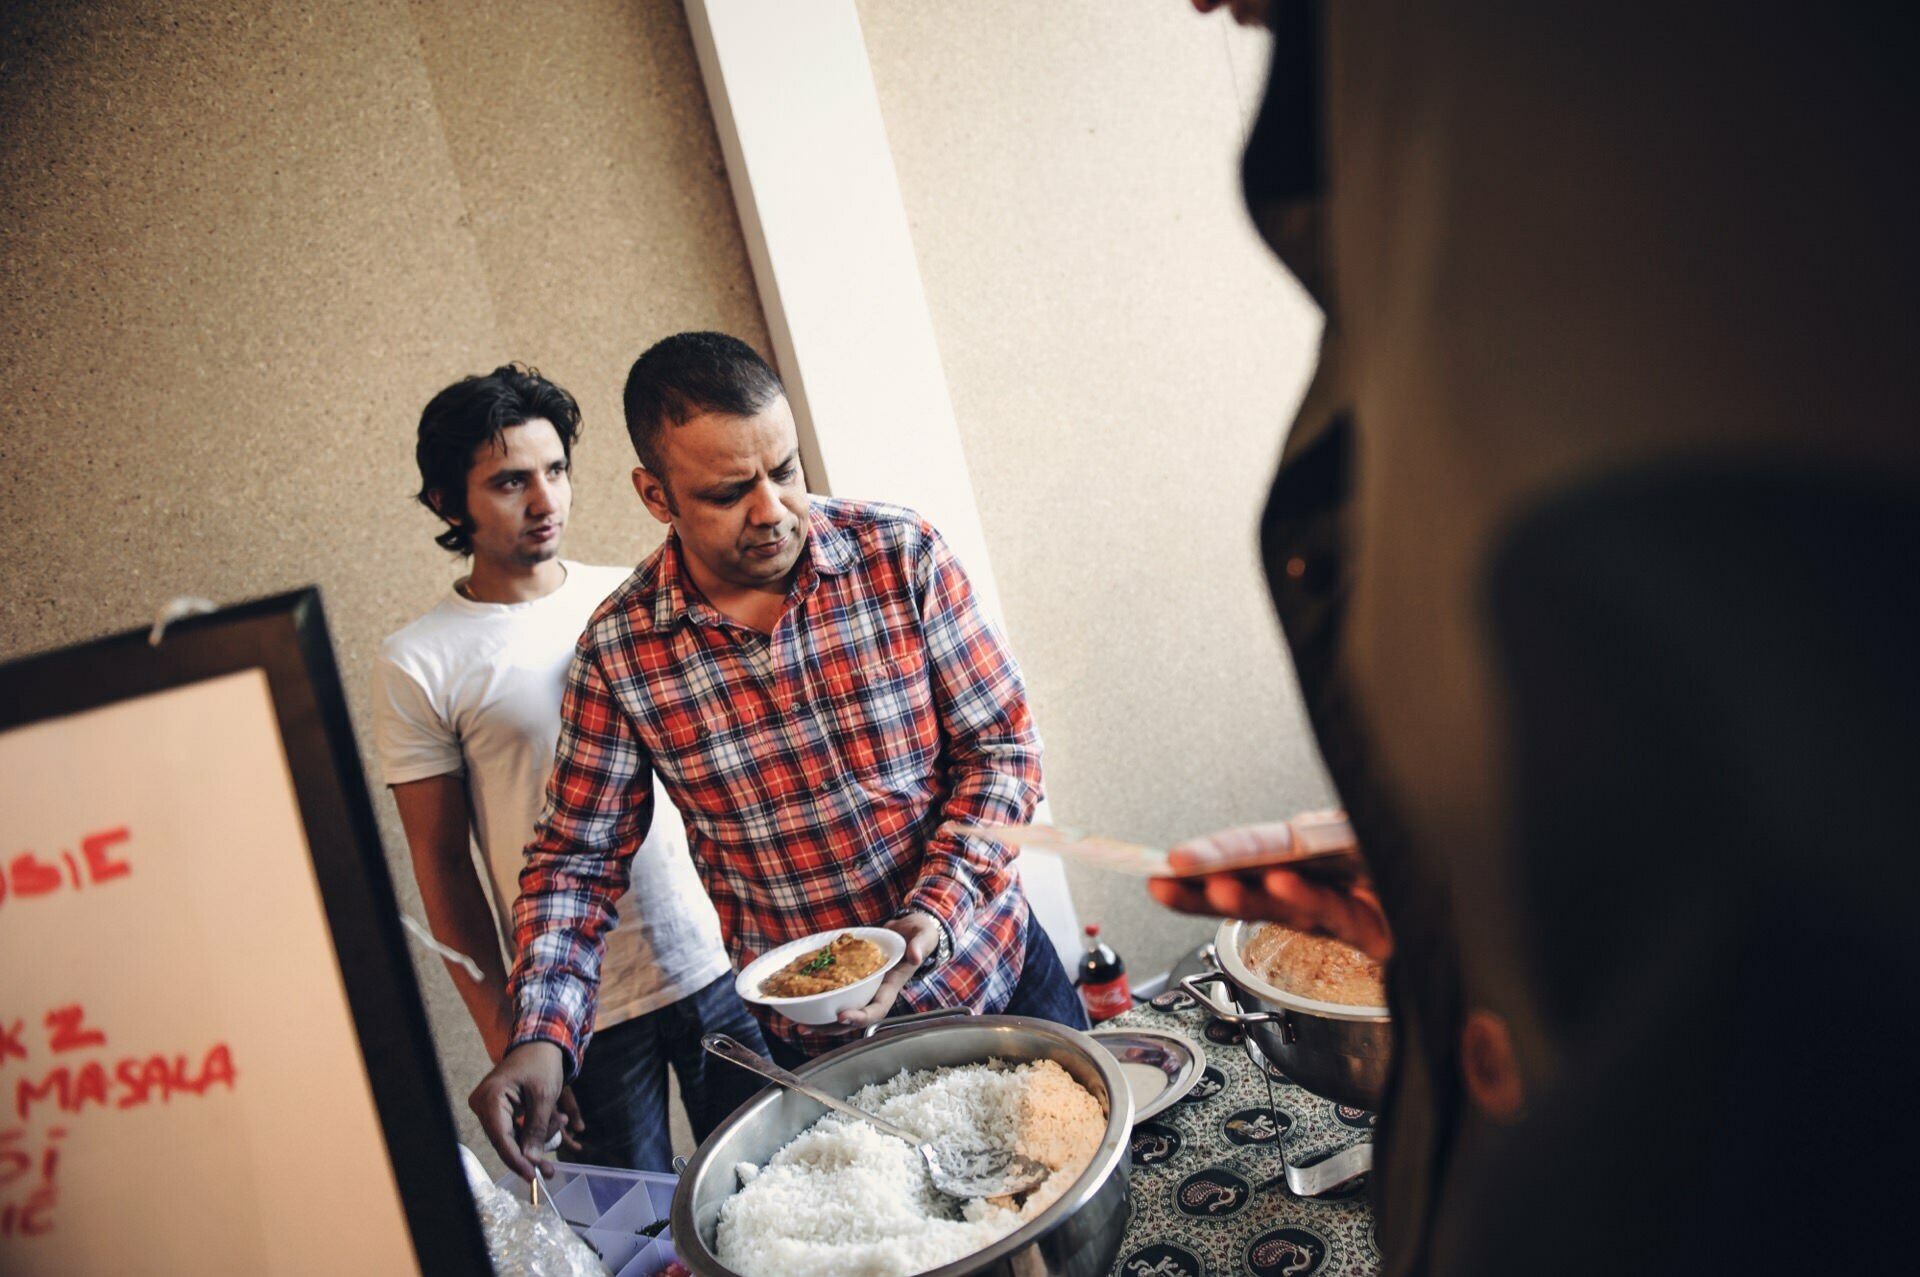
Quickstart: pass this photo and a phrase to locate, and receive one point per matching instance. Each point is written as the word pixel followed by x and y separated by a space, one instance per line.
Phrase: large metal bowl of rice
pixel 1077 1235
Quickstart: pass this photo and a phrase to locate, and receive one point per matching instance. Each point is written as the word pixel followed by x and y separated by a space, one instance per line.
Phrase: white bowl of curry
pixel 813 979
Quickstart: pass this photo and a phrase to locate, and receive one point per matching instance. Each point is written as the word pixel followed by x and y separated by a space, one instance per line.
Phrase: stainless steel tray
pixel 1149 1054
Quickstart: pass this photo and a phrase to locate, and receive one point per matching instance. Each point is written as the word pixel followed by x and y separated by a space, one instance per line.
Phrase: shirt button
pixel 801 707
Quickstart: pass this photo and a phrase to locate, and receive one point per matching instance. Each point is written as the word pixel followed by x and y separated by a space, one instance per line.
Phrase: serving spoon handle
pixel 728 1048
pixel 958 1172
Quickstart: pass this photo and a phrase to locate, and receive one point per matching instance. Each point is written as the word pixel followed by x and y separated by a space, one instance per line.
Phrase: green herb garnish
pixel 824 958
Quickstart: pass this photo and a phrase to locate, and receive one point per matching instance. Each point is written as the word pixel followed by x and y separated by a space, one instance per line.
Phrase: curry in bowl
pixel 847 960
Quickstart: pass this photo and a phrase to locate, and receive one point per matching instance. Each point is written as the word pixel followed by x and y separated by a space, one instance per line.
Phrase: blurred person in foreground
pixel 466 710
pixel 817 688
pixel 1597 546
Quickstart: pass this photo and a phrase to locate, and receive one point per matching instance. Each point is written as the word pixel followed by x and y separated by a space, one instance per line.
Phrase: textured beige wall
pixel 240 246
pixel 1123 355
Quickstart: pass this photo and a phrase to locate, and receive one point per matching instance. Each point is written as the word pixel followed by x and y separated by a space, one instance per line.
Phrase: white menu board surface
pixel 181 1085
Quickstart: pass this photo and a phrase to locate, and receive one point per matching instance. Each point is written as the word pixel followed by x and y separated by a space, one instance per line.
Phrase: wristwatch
pixel 942 948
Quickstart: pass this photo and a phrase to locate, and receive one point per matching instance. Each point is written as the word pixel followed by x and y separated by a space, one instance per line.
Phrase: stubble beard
pixel 534 556
pixel 760 574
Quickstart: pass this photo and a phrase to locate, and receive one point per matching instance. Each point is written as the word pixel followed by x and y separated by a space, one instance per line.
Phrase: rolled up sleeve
pixel 599 806
pixel 993 748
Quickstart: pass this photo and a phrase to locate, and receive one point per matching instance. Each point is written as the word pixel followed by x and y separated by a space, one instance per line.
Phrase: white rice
pixel 843 1200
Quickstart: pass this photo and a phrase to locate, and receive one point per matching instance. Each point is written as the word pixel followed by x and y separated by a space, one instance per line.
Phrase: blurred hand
pixel 922 934
pixel 1350 912
pixel 1248 13
pixel 517 1103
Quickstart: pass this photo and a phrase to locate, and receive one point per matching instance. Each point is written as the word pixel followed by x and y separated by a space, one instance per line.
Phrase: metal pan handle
pixel 1194 986
pixel 902 1021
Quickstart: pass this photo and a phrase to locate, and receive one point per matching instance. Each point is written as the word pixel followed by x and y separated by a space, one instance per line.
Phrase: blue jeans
pixel 622 1083
pixel 1043 992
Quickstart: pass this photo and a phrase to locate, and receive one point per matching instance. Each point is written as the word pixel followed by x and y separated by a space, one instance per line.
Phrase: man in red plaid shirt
pixel 820 694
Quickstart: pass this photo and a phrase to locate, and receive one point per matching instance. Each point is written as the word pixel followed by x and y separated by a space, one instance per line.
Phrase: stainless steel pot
pixel 1337 1051
pixel 1077 1236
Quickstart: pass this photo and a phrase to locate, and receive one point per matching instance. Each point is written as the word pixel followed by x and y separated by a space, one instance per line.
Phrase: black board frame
pixel 286 636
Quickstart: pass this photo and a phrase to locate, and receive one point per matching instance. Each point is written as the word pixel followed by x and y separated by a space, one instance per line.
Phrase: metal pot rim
pixel 1107 1159
pixel 1227 942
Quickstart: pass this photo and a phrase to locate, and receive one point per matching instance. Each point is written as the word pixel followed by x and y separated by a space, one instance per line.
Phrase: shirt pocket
pixel 885 725
pixel 677 740
pixel 742 752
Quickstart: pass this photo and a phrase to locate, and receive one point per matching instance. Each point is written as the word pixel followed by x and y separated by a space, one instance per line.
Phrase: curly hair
pixel 474 412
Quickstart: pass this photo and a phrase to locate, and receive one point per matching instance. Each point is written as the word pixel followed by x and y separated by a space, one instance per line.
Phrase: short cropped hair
pixel 690 374
pixel 474 412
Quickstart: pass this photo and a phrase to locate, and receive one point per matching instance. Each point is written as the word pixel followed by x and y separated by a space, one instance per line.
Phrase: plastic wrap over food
pixel 524 1241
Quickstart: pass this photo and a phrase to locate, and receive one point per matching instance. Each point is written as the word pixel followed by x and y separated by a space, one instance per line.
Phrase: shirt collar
pixel 830 552
pixel 829 546
pixel 670 599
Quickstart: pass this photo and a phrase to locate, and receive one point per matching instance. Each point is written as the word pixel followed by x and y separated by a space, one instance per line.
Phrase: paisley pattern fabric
pixel 1208 1195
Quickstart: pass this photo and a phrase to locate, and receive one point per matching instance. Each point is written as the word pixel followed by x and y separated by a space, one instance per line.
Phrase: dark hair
pixel 686 375
pixel 470 413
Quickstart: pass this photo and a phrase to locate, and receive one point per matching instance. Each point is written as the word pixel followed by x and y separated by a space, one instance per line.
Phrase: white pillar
pixel 799 122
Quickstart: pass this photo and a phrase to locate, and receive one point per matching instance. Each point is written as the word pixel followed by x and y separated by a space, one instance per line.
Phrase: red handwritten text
pixel 34 1215
pixel 27 875
pixel 28 1190
pixel 131 1082
pixel 30 1218
pixel 65 1032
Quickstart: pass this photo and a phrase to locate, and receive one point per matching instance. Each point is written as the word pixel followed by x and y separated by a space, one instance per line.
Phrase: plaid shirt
pixel 813 767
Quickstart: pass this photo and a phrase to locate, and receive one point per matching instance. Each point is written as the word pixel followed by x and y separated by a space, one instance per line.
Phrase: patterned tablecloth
pixel 1208 1198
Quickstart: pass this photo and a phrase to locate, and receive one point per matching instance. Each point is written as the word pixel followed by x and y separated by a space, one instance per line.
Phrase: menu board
pixel 196 966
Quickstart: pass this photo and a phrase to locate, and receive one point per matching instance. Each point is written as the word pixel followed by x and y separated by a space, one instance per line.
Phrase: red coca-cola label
pixel 1107 998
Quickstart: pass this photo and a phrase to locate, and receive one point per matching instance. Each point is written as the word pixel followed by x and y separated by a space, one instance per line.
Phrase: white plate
pixel 1160 1067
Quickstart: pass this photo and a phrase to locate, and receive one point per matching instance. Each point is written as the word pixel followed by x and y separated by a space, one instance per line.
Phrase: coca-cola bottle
pixel 1102 978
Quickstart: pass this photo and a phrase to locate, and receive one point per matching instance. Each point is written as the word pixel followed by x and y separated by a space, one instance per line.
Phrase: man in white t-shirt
pixel 467 704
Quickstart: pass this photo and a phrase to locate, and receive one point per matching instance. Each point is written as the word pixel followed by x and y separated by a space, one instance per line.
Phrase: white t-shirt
pixel 474 689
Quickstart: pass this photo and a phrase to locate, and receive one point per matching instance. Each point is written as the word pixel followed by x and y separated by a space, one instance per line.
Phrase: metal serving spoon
pixel 958 1172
